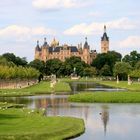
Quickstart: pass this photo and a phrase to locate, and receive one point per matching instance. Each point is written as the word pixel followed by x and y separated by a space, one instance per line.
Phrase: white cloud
pixel 131 41
pixel 22 32
pixel 97 27
pixel 94 14
pixel 58 4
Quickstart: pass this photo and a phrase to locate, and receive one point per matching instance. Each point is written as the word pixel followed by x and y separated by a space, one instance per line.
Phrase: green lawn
pixel 23 124
pixel 122 84
pixel 106 97
pixel 41 88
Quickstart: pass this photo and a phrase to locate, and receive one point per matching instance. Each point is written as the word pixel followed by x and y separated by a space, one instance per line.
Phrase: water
pixel 102 121
pixel 91 86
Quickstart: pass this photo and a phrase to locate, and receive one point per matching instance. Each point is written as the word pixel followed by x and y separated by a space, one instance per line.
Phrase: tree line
pixel 10 70
pixel 105 64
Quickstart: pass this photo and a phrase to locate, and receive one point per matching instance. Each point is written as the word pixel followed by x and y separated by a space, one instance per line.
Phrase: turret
pixel 86 46
pixel 44 53
pixel 37 51
pixel 45 42
pixel 37 48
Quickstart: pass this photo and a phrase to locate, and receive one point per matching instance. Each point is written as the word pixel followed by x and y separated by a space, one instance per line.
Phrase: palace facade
pixel 61 52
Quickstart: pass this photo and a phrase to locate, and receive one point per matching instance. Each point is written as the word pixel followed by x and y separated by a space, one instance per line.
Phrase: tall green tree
pixel 137 66
pixel 53 66
pixel 74 62
pixel 109 59
pixel 105 70
pixel 90 71
pixel 39 65
pixel 132 58
pixel 15 59
pixel 4 62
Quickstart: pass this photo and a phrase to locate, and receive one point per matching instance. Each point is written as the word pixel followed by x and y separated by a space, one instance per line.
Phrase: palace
pixel 54 50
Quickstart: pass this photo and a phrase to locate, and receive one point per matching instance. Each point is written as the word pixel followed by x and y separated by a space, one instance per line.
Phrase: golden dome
pixel 54 43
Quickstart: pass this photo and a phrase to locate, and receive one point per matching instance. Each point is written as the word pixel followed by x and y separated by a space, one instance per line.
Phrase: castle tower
pixel 104 42
pixel 44 50
pixel 37 51
pixel 86 54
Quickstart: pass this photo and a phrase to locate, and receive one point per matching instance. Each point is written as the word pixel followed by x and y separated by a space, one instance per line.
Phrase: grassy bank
pixel 41 88
pixel 22 124
pixel 106 97
pixel 122 84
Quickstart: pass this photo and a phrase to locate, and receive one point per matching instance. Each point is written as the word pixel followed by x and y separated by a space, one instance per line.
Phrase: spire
pixel 37 46
pixel 45 42
pixel 105 37
pixel 86 46
pixel 37 42
pixel 104 28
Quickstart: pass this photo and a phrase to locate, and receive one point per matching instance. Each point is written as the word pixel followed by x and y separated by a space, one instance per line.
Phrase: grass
pixel 62 87
pixel 106 97
pixel 122 84
pixel 41 88
pixel 23 124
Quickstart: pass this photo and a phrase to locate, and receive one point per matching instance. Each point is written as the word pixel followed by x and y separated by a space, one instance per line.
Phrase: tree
pixel 7 72
pixel 105 71
pixel 53 66
pixel 122 69
pixel 74 62
pixel 132 59
pixel 109 59
pixel 137 66
pixel 4 62
pixel 16 60
pixel 135 73
pixel 90 71
pixel 39 65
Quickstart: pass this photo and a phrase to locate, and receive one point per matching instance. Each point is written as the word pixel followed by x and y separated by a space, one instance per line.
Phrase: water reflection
pixel 105 117
pixel 91 86
pixel 102 121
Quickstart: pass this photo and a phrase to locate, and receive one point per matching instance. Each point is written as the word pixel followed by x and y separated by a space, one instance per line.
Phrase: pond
pixel 91 86
pixel 102 121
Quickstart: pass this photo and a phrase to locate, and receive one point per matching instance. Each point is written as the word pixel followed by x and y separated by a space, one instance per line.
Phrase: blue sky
pixel 22 22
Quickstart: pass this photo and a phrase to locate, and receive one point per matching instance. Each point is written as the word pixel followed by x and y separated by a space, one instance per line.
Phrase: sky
pixel 23 22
